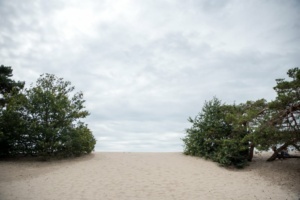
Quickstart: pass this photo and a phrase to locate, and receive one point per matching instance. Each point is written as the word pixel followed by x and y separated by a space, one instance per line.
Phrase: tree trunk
pixel 277 151
pixel 293 156
pixel 251 149
pixel 273 157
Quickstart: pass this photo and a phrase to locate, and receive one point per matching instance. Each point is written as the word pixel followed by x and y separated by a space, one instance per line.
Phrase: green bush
pixel 212 136
pixel 45 121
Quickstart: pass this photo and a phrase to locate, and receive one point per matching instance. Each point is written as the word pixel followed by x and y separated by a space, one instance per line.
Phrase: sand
pixel 147 176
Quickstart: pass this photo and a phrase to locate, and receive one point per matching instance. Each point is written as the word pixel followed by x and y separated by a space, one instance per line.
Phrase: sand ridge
pixel 147 176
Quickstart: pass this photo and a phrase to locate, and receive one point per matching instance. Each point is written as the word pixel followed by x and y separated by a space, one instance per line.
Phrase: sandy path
pixel 146 176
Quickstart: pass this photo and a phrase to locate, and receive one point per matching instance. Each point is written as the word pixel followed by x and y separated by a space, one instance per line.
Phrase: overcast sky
pixel 145 66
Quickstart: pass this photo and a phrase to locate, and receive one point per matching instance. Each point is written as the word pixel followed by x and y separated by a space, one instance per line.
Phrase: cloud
pixel 146 66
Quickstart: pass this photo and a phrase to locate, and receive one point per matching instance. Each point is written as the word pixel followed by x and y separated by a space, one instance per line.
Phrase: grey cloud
pixel 146 66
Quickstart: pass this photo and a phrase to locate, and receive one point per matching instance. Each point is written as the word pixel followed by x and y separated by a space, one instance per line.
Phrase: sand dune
pixel 147 176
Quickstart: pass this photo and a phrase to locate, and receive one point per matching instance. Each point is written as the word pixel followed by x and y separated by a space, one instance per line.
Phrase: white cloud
pixel 146 66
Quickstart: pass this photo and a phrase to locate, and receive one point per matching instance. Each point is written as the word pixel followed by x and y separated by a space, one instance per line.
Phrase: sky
pixel 145 66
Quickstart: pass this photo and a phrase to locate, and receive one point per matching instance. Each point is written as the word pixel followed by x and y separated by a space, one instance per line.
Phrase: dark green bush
pixel 212 136
pixel 45 121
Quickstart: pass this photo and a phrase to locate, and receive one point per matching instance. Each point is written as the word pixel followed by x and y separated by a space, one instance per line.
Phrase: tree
pixel 228 133
pixel 274 125
pixel 47 120
pixel 213 136
pixel 244 119
pixel 280 127
pixel 6 83
pixel 7 87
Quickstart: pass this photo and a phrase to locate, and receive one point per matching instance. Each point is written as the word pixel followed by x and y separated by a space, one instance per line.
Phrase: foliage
pixel 224 132
pixel 6 83
pixel 7 87
pixel 45 120
pixel 281 124
pixel 213 136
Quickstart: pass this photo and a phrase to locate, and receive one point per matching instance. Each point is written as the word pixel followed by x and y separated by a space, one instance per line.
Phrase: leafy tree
pixel 213 136
pixel 246 119
pixel 280 124
pixel 47 120
pixel 7 87
pixel 6 83
pixel 228 133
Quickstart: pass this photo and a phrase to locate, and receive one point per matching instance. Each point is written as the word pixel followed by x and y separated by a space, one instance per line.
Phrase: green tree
pixel 245 118
pixel 7 88
pixel 228 133
pixel 213 136
pixel 280 124
pixel 47 120
pixel 6 83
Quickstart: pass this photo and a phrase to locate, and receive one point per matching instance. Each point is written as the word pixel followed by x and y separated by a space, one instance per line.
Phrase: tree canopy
pixel 212 136
pixel 280 127
pixel 228 133
pixel 45 120
pixel 6 83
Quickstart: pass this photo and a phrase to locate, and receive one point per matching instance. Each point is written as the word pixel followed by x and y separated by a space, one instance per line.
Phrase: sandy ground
pixel 147 176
